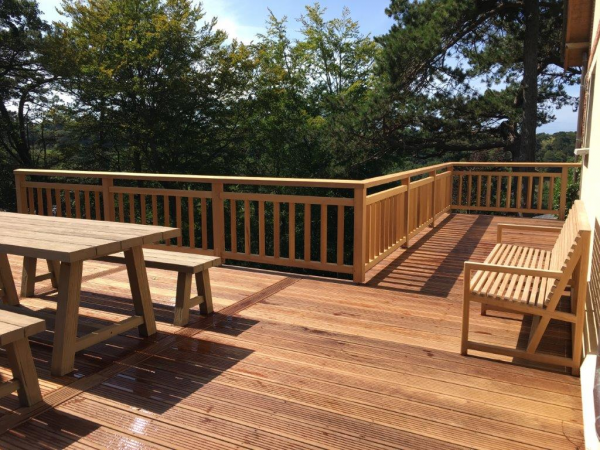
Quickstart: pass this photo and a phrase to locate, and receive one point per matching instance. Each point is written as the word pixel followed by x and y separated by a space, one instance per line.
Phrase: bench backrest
pixel 575 228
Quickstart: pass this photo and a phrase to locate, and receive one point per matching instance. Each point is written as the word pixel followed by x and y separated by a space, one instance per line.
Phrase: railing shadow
pixel 433 264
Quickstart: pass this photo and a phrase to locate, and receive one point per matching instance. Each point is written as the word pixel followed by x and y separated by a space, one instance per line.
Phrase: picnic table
pixel 70 242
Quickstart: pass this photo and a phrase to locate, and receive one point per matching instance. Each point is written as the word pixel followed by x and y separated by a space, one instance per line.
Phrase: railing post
pixel 407 213
pixel 360 234
pixel 108 199
pixel 564 180
pixel 218 209
pixel 432 174
pixel 21 192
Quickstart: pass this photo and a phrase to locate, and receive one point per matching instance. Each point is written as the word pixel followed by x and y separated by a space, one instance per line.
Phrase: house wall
pixel 590 194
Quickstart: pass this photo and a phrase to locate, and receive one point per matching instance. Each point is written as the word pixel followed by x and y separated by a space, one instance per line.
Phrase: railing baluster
pixel 191 222
pixel 97 205
pixel 469 190
pixel 509 182
pixel 276 230
pixel 529 191
pixel 77 195
pixel 498 190
pixel 488 191
pixel 30 200
pixel 551 193
pixel 247 234
pixel 132 208
pixel 86 200
pixel 49 202
pixel 292 231
pixel 204 223
pixel 519 191
pixel 324 234
pixel 540 192
pixel 178 219
pixel 121 207
pixel 460 189
pixel 307 224
pixel 154 210
pixel 143 208
pixel 478 203
pixel 167 215
pixel 340 235
pixel 261 228
pixel 233 224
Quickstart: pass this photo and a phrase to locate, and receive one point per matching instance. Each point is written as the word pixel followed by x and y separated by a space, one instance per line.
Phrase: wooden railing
pixel 340 226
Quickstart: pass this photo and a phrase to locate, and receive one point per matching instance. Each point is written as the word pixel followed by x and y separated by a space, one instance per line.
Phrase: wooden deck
pixel 304 362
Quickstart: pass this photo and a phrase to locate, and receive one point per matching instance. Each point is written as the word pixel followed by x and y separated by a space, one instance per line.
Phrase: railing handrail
pixel 263 181
pixel 274 181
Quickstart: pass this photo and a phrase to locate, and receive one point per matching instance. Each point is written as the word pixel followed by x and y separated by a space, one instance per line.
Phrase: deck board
pixel 306 362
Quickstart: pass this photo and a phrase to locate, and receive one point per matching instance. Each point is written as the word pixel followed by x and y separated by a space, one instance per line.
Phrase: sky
pixel 243 19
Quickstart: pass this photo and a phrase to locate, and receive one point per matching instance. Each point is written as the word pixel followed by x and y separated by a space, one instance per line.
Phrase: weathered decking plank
pixel 306 362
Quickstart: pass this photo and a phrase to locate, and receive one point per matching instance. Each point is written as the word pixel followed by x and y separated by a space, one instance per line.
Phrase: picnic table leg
pixel 21 363
pixel 54 269
pixel 7 282
pixel 140 290
pixel 67 318
pixel 28 276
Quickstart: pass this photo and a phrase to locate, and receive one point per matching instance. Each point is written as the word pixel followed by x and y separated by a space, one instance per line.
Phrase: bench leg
pixel 464 337
pixel 7 282
pixel 28 276
pixel 67 318
pixel 203 286
pixel 182 299
pixel 23 369
pixel 140 290
pixel 483 309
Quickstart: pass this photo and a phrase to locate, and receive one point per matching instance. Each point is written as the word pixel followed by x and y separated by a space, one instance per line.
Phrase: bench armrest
pixel 470 266
pixel 514 226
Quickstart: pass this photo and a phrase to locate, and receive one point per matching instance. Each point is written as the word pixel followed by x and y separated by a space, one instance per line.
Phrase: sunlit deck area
pixel 293 361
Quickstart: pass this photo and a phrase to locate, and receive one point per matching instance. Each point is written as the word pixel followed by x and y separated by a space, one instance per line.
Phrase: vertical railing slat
pixel 340 235
pixel 292 231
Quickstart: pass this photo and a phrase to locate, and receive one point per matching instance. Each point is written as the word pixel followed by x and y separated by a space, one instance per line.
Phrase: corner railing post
pixel 21 192
pixel 218 218
pixel 564 180
pixel 432 174
pixel 108 199
pixel 407 213
pixel 360 234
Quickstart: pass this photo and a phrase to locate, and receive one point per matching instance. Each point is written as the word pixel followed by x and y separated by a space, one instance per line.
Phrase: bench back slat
pixel 566 244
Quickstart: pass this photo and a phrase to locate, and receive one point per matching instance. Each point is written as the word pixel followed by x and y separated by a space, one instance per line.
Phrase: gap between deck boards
pixel 61 395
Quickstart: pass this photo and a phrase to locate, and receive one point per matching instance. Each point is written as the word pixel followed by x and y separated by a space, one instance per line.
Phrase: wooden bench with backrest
pixel 187 266
pixel 15 330
pixel 529 280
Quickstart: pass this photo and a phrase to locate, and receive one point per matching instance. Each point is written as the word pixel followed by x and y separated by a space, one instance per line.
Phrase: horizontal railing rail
pixel 339 226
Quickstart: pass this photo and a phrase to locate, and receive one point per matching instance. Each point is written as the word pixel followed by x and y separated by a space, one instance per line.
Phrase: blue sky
pixel 243 19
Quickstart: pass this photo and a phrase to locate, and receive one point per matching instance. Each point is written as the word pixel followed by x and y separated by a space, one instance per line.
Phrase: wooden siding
pixel 305 362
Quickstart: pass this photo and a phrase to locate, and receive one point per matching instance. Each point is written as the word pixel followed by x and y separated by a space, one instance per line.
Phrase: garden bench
pixel 528 280
pixel 15 330
pixel 187 266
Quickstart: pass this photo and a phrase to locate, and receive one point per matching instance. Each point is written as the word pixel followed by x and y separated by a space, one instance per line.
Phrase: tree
pixel 484 73
pixel 24 78
pixel 149 81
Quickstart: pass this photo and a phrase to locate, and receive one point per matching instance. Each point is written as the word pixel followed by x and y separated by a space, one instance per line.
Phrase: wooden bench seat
pixel 529 290
pixel 529 280
pixel 15 330
pixel 187 265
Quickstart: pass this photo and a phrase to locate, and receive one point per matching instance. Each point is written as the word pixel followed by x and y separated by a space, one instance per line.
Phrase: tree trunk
pixel 529 83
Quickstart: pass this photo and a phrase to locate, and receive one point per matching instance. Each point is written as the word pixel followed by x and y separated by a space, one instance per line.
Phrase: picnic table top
pixel 71 240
